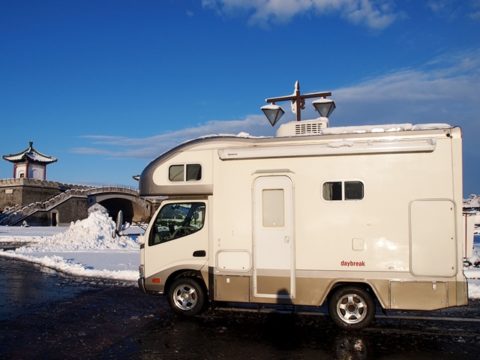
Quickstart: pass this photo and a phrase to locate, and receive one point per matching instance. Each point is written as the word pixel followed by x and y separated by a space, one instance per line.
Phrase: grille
pixel 308 129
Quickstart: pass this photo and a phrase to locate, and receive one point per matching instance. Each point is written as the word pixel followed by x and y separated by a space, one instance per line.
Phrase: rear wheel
pixel 186 296
pixel 351 307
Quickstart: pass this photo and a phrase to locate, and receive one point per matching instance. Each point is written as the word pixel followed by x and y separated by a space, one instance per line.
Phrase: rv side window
pixel 177 220
pixel 194 172
pixel 185 172
pixel 273 208
pixel 334 190
pixel 353 190
pixel 175 173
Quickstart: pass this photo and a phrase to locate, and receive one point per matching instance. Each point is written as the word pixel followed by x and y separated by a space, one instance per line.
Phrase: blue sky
pixel 107 85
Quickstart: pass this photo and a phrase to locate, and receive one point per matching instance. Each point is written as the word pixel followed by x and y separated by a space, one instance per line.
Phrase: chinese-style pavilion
pixel 30 163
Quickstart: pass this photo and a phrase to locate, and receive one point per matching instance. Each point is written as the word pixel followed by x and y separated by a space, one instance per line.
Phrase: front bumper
pixel 141 284
pixel 152 289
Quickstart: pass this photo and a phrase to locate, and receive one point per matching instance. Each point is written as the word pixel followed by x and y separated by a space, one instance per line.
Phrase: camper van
pixel 352 217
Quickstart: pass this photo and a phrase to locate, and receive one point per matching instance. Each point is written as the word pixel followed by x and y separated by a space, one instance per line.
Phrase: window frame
pixel 184 172
pixel 343 190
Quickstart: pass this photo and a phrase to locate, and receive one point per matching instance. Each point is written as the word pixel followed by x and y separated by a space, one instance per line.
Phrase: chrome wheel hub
pixel 185 297
pixel 351 308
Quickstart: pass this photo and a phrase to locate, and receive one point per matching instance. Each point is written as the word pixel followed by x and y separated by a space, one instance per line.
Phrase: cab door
pixel 177 239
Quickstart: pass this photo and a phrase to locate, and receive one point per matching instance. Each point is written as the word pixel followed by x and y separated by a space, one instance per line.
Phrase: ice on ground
pixel 87 248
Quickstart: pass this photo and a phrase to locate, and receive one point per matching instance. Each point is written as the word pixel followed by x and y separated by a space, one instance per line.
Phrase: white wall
pixel 36 171
pixel 20 169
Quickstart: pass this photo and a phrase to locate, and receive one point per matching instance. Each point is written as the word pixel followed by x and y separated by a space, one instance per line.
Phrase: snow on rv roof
pixel 382 128
pixel 366 129
pixel 317 127
pixel 431 126
pixel 360 129
pixel 241 134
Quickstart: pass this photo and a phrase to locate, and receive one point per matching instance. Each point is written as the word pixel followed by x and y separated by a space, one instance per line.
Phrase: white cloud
pixel 373 14
pixel 475 11
pixel 444 90
pixel 149 147
pixel 454 9
pixel 448 85
pixel 438 6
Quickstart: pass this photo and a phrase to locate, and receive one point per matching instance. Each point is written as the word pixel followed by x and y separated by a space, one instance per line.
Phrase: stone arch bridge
pixel 72 204
pixel 114 199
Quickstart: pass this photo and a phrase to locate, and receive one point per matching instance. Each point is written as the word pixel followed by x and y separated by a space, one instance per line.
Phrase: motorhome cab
pixel 351 216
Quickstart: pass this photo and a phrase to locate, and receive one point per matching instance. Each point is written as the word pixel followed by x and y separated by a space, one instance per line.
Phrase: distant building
pixel 30 197
pixel 30 163
pixel 472 204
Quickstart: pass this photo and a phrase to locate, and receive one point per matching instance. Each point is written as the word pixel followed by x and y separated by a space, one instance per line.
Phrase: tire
pixel 186 296
pixel 351 308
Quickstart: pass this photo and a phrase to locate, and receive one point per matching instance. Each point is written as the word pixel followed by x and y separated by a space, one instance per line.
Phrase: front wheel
pixel 351 307
pixel 186 296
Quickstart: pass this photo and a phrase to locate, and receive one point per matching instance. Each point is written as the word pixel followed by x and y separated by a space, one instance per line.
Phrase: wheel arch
pixel 364 285
pixel 187 273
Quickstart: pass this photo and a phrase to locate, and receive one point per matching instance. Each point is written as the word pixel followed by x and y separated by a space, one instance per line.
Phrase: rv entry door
pixel 273 241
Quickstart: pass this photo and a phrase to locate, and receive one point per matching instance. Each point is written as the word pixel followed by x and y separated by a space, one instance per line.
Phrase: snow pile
pixel 86 248
pixel 93 233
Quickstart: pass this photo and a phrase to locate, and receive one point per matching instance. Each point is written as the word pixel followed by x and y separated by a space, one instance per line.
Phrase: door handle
pixel 199 253
pixel 286 239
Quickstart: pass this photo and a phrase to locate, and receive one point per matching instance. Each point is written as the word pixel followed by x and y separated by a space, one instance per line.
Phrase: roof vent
pixel 302 128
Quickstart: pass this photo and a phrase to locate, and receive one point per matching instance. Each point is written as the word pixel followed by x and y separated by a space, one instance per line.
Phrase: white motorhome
pixel 351 216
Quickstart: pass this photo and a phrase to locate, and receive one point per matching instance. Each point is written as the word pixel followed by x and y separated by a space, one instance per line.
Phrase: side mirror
pixel 118 224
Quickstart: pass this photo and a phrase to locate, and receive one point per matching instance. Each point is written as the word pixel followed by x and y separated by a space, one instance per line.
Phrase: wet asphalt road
pixel 44 315
pixel 23 286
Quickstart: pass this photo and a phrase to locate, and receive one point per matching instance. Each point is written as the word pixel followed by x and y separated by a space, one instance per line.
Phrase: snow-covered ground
pixel 87 248
pixel 30 231
pixel 473 273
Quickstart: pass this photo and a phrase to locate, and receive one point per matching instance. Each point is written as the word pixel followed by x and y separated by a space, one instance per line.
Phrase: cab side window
pixel 177 220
